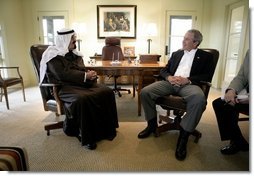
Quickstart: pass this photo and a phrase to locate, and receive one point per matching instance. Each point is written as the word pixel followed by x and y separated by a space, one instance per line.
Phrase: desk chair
pixel 49 92
pixel 112 51
pixel 178 105
pixel 7 81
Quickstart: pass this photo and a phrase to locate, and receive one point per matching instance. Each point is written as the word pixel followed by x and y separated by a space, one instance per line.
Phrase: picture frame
pixel 129 51
pixel 116 21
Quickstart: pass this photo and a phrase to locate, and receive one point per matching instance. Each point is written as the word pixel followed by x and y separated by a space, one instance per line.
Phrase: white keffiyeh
pixel 61 48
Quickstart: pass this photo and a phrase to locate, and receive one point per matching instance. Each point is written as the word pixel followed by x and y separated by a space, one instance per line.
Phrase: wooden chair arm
pixel 9 68
pixel 206 83
pixel 158 77
pixel 55 89
pixel 205 86
pixel 50 85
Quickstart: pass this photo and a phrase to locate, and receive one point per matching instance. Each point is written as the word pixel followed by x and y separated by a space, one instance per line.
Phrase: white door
pixel 236 35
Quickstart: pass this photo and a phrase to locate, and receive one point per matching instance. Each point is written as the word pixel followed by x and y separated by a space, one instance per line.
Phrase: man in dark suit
pixel 235 100
pixel 184 71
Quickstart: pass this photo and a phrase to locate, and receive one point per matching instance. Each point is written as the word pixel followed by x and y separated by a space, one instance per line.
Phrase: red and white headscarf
pixel 61 48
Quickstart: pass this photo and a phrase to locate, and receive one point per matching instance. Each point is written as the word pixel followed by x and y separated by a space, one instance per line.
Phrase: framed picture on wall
pixel 129 51
pixel 116 20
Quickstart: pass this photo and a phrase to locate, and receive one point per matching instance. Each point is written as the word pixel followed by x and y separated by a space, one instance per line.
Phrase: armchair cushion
pixel 13 159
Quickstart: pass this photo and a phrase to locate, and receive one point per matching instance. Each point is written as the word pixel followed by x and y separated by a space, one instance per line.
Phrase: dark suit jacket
pixel 201 69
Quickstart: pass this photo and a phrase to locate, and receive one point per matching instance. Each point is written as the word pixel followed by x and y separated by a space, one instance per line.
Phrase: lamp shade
pixel 80 28
pixel 151 29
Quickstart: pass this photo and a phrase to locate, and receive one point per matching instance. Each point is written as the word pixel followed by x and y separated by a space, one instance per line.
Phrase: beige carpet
pixel 23 125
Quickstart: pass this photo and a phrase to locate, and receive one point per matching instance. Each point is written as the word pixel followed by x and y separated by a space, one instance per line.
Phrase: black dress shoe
pixel 181 148
pixel 146 132
pixel 151 128
pixel 91 146
pixel 79 138
pixel 233 148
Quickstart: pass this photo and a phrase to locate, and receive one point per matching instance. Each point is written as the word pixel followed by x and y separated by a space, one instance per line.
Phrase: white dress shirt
pixel 185 64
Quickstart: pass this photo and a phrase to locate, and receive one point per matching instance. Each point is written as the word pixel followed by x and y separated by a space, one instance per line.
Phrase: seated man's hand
pixel 178 80
pixel 230 97
pixel 91 75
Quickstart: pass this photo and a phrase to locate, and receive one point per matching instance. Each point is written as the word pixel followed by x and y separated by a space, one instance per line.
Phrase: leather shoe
pixel 181 148
pixel 79 138
pixel 233 148
pixel 145 133
pixel 91 146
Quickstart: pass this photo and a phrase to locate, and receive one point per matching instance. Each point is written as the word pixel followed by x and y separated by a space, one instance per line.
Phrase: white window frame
pixel 170 13
pixel 40 16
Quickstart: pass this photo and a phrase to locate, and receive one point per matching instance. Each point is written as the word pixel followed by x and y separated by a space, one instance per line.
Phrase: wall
pixel 12 21
pixel 21 27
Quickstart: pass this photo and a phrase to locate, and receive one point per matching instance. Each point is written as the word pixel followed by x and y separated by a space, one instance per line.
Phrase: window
pixel 177 25
pixel 50 23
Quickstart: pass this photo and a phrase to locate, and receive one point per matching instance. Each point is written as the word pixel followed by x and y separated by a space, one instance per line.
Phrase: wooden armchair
pixel 49 92
pixel 178 105
pixel 7 81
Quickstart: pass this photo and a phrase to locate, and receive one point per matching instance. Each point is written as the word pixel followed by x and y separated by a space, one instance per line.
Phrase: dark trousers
pixel 227 118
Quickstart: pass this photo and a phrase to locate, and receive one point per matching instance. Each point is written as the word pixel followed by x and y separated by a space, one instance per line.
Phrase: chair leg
pixel 23 90
pixel 133 85
pixel 1 97
pixel 57 125
pixel 173 124
pixel 115 88
pixel 6 97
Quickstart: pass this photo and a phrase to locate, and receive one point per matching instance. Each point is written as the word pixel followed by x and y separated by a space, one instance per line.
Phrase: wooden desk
pixel 125 68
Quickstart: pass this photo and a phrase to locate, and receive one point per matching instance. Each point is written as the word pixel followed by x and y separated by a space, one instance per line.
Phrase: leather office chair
pixel 178 105
pixel 7 81
pixel 113 51
pixel 49 92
